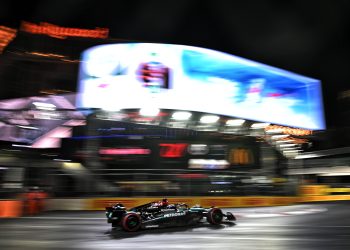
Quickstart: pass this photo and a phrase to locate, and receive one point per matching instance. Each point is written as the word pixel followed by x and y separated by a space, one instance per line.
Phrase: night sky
pixel 307 37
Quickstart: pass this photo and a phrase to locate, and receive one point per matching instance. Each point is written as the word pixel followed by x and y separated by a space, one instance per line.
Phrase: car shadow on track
pixel 118 233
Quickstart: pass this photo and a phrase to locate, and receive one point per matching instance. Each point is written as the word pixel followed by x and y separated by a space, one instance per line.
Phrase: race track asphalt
pixel 321 226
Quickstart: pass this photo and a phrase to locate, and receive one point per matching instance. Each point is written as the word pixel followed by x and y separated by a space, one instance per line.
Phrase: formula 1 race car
pixel 160 214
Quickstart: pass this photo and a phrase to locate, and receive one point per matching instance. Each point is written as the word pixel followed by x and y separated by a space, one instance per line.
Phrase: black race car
pixel 161 214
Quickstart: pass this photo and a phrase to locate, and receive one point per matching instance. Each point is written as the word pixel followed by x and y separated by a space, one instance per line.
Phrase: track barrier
pixel 307 193
pixel 10 208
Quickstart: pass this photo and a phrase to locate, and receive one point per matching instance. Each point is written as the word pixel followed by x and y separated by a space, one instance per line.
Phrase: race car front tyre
pixel 215 216
pixel 131 222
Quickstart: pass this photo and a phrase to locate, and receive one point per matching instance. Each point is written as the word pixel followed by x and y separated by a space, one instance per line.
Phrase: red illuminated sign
pixel 172 150
pixel 6 36
pixel 62 32
pixel 125 151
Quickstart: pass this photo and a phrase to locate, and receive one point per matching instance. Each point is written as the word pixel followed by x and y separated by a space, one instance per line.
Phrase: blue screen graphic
pixel 138 75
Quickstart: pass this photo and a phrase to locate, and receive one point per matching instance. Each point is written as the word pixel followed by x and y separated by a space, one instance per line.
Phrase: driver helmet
pixel 165 202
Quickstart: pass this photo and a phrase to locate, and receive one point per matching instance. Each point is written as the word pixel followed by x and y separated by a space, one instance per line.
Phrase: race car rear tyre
pixel 215 216
pixel 115 224
pixel 131 222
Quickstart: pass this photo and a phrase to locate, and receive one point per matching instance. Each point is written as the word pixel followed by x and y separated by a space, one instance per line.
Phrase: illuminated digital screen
pixel 172 150
pixel 147 75
pixel 38 121
pixel 124 151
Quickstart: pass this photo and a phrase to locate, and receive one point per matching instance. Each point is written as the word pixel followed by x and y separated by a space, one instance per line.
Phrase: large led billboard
pixel 141 75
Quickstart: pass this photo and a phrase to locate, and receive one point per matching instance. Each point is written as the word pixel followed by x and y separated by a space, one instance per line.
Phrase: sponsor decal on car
pixel 174 214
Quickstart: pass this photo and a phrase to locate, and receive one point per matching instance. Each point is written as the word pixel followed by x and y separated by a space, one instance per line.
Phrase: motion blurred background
pixel 49 144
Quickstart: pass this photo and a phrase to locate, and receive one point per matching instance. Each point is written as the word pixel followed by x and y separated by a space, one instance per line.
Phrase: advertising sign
pixel 148 75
